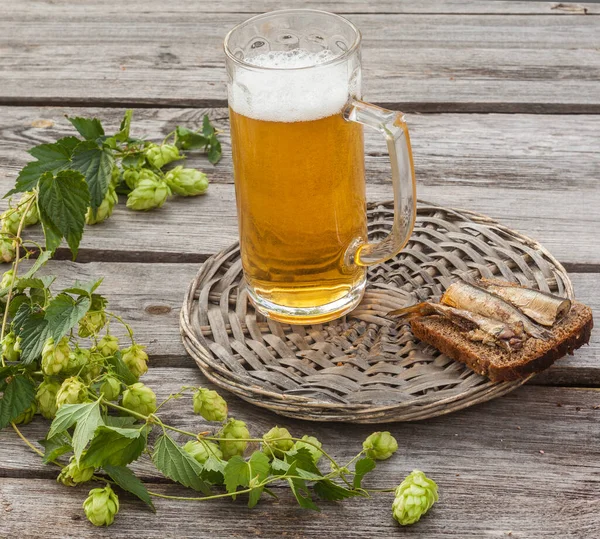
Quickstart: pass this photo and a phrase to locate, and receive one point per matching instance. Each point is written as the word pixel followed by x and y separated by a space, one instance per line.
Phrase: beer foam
pixel 289 94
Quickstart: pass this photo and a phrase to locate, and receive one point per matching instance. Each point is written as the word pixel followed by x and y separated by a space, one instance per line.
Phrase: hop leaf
pixel 55 357
pixel 380 445
pixel 414 497
pixel 201 451
pixel 159 156
pixel 230 435
pixel 314 451
pixel 210 405
pixel 101 506
pixel 72 391
pixel 187 182
pixel 136 360
pixel 139 398
pixel 46 398
pixel 73 473
pixel 276 442
pixel 147 195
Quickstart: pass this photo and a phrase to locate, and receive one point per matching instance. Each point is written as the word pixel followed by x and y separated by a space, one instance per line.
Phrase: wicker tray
pixel 364 367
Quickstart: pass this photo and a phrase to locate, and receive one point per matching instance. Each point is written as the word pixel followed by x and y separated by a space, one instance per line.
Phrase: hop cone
pixel 27 416
pixel 78 358
pixel 108 346
pixel 136 360
pixel 104 211
pixel 111 388
pixel 10 221
pixel 414 497
pixel 32 215
pixel 115 177
pixel 272 446
pixel 159 156
pixel 202 450
pixel 233 430
pixel 147 195
pixel 92 323
pixel 46 398
pixel 314 451
pixel 7 250
pixel 187 182
pixel 133 176
pixel 73 473
pixel 55 357
pixel 94 367
pixel 210 405
pixel 380 445
pixel 10 347
pixel 101 506
pixel 139 398
pixel 72 391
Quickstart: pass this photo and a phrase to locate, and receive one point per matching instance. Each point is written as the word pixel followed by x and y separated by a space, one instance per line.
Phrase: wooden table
pixel 503 101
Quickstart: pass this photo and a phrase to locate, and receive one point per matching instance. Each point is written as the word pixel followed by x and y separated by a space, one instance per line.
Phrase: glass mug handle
pixel 392 126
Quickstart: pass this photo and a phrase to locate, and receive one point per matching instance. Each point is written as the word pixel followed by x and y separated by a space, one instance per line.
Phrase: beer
pixel 299 178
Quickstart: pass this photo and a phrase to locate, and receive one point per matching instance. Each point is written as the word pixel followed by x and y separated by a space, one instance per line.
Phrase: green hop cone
pixel 202 450
pixel 73 473
pixel 7 250
pixel 111 388
pixel 380 445
pixel 27 416
pixel 104 211
pixel 72 391
pixel 45 398
pixel 276 442
pixel 55 357
pixel 147 195
pixel 314 451
pixel 108 345
pixel 133 176
pixel 92 323
pixel 10 221
pixel 115 177
pixel 101 506
pixel 414 497
pixel 78 358
pixel 94 367
pixel 10 347
pixel 136 360
pixel 187 182
pixel 210 405
pixel 7 278
pixel 231 433
pixel 139 398
pixel 32 215
pixel 159 156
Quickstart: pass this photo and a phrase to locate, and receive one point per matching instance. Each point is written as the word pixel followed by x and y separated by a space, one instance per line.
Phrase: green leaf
pixel 259 470
pixel 96 165
pixel 120 370
pixel 207 129
pixel 45 281
pixel 115 446
pixel 63 313
pixel 63 201
pixel 89 128
pixel 50 158
pixel 239 472
pixel 85 428
pixel 178 465
pixel 15 304
pixel 213 470
pixel 302 495
pixel 123 133
pixel 128 481
pixel 363 467
pixel 56 446
pixel 119 421
pixel 186 139
pixel 84 288
pixel 69 414
pixel 214 151
pixel 303 460
pixel 279 467
pixel 328 490
pixel 19 394
pixel 236 473
pixel 40 261
pixel 32 327
pixel 52 235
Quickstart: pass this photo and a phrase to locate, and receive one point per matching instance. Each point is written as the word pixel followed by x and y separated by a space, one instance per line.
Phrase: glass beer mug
pixel 294 89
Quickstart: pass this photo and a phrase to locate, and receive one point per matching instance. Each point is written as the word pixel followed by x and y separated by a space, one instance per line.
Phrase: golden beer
pixel 301 204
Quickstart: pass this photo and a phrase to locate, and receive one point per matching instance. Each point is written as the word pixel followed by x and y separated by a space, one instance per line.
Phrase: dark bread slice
pixel 536 355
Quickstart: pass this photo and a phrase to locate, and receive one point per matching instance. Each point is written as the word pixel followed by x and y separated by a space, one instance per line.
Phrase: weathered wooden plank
pixel 495 164
pixel 424 61
pixel 149 297
pixel 463 7
pixel 476 458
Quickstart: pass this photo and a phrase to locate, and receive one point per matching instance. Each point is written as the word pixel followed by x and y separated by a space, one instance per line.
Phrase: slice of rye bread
pixel 536 355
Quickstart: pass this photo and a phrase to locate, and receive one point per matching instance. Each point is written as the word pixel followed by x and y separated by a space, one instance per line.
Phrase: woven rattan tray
pixel 364 367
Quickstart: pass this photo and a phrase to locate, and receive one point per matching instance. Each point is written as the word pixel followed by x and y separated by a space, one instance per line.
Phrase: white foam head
pixel 288 94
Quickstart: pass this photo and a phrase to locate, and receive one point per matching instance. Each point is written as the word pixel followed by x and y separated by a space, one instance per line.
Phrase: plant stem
pixel 31 446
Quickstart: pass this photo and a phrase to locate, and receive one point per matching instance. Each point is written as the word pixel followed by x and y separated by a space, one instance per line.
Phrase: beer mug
pixel 294 92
